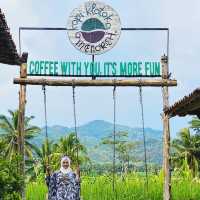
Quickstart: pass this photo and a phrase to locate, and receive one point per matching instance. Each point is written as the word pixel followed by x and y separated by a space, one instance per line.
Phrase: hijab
pixel 62 169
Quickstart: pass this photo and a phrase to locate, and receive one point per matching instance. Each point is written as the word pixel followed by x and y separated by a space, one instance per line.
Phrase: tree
pixel 123 148
pixel 124 151
pixel 69 145
pixel 49 154
pixel 9 126
pixel 40 161
pixel 11 182
pixel 187 148
pixel 195 124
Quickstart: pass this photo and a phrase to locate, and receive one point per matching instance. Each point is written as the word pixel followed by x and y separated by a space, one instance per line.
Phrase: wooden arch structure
pixel 9 55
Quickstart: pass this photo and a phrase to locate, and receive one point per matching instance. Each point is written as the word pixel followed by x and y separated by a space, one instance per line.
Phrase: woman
pixel 64 184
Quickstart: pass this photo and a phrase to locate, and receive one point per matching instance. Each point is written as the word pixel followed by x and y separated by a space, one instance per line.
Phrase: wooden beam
pixel 166 134
pixel 96 83
pixel 21 123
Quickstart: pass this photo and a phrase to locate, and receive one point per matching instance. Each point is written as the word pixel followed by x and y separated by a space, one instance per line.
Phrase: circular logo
pixel 94 28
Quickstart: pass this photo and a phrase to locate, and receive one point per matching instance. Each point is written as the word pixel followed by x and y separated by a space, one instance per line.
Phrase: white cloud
pixel 181 16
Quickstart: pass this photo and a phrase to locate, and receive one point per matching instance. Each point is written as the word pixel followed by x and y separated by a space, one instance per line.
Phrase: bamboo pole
pixel 96 83
pixel 166 134
pixel 21 119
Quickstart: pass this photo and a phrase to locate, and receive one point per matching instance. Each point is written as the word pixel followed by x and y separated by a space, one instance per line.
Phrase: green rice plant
pixel 132 187
pixel 36 191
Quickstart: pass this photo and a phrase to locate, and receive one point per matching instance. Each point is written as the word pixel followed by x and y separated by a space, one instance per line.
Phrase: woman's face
pixel 65 164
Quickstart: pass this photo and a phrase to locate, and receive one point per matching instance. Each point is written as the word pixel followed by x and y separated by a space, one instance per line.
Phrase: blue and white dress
pixel 63 186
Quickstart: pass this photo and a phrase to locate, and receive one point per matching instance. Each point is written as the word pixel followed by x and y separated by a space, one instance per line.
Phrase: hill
pixel 91 134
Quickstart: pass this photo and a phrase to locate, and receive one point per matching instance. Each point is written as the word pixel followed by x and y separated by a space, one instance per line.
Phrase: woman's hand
pixel 48 171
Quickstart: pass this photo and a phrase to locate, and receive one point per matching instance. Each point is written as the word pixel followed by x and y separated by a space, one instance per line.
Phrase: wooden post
pixel 166 133
pixel 21 118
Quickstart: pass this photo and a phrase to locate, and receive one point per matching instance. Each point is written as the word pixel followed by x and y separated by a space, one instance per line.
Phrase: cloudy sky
pixel 181 16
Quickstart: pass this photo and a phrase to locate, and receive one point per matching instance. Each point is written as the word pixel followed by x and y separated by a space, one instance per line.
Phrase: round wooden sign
pixel 94 28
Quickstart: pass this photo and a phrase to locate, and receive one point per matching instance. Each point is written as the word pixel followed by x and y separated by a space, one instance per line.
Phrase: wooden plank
pixel 166 134
pixel 96 83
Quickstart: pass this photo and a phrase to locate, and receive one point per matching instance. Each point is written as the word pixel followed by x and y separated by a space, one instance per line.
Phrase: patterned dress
pixel 63 186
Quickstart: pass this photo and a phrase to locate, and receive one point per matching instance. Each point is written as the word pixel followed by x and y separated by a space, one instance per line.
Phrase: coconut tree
pixel 70 145
pixel 195 124
pixel 41 161
pixel 187 147
pixel 10 133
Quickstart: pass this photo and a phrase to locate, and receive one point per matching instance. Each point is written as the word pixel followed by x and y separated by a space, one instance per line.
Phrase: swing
pixel 46 124
pixel 143 133
pixel 46 132
pixel 114 131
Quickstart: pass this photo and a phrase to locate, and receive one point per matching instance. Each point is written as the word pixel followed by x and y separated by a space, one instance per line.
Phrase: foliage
pixel 9 126
pixel 40 161
pixel 36 190
pixel 124 148
pixel 195 124
pixel 48 156
pixel 187 148
pixel 10 181
pixel 70 146
pixel 132 188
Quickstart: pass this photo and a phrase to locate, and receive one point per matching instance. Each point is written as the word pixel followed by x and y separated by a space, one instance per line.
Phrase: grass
pixel 36 191
pixel 132 188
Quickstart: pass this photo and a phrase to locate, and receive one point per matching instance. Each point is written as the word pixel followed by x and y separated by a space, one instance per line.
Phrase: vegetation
pixel 9 127
pixel 187 148
pixel 131 188
pixel 124 149
pixel 130 184
pixel 69 145
pixel 10 180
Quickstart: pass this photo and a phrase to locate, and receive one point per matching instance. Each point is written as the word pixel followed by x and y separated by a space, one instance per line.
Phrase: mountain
pixel 91 134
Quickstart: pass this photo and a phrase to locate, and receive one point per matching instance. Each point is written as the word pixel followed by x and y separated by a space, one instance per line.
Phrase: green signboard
pixel 98 69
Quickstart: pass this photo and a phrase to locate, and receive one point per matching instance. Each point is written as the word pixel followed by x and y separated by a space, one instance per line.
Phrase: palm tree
pixel 41 160
pixel 70 145
pixel 187 147
pixel 2 148
pixel 9 126
pixel 195 124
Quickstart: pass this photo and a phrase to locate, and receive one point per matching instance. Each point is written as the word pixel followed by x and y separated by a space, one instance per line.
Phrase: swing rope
pixel 75 119
pixel 75 129
pixel 114 135
pixel 144 136
pixel 46 124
